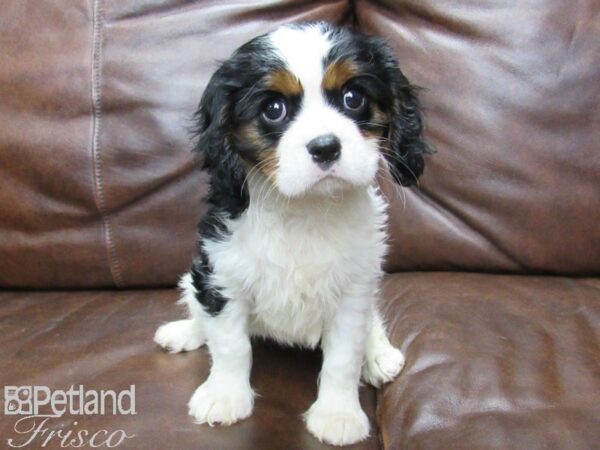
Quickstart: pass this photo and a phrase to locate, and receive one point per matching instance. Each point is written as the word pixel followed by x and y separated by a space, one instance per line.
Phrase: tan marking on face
pixel 369 134
pixel 285 83
pixel 378 117
pixel 267 157
pixel 268 163
pixel 338 73
pixel 249 132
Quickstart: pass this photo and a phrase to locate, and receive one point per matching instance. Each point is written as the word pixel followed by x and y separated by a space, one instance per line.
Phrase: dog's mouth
pixel 330 183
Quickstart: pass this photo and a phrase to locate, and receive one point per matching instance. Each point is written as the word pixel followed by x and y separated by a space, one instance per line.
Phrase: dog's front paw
pixel 382 363
pixel 180 336
pixel 221 403
pixel 333 423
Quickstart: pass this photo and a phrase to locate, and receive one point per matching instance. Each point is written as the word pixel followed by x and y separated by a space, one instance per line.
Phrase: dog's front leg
pixel 226 396
pixel 337 417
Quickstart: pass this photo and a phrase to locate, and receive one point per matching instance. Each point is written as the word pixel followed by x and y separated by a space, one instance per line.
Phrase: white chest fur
pixel 292 262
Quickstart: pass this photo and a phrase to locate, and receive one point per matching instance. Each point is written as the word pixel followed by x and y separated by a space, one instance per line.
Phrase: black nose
pixel 325 149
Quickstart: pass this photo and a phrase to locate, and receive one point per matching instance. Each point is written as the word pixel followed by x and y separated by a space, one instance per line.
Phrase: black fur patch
pixel 208 295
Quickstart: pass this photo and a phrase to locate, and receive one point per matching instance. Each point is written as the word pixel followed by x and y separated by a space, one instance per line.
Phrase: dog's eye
pixel 275 110
pixel 354 99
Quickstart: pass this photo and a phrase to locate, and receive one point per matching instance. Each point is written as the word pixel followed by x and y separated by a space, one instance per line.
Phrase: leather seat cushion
pixel 103 340
pixel 493 362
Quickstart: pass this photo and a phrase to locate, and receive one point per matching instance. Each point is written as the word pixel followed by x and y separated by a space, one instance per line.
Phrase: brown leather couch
pixel 491 291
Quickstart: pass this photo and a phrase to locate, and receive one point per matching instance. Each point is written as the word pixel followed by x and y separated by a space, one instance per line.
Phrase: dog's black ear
pixel 212 122
pixel 406 144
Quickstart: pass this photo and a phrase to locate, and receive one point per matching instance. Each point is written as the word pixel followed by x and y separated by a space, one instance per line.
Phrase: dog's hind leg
pixel 183 335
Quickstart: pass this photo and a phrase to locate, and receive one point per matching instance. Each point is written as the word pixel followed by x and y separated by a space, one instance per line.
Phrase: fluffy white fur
pixel 300 273
pixel 299 267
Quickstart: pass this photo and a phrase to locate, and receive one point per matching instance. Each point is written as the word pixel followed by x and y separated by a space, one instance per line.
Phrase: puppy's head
pixel 311 108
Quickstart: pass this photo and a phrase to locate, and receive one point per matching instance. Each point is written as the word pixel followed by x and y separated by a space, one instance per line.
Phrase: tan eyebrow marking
pixel 284 82
pixel 338 73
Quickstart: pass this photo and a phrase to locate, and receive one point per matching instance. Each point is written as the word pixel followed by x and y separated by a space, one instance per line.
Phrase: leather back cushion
pixel 512 98
pixel 97 187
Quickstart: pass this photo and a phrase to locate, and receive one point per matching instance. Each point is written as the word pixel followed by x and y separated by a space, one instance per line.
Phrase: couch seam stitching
pixel 96 74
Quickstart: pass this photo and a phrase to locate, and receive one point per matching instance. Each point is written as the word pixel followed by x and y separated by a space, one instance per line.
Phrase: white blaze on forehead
pixel 303 50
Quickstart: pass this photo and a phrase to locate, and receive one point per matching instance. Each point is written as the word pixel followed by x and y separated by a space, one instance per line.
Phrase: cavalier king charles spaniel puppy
pixel 293 128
